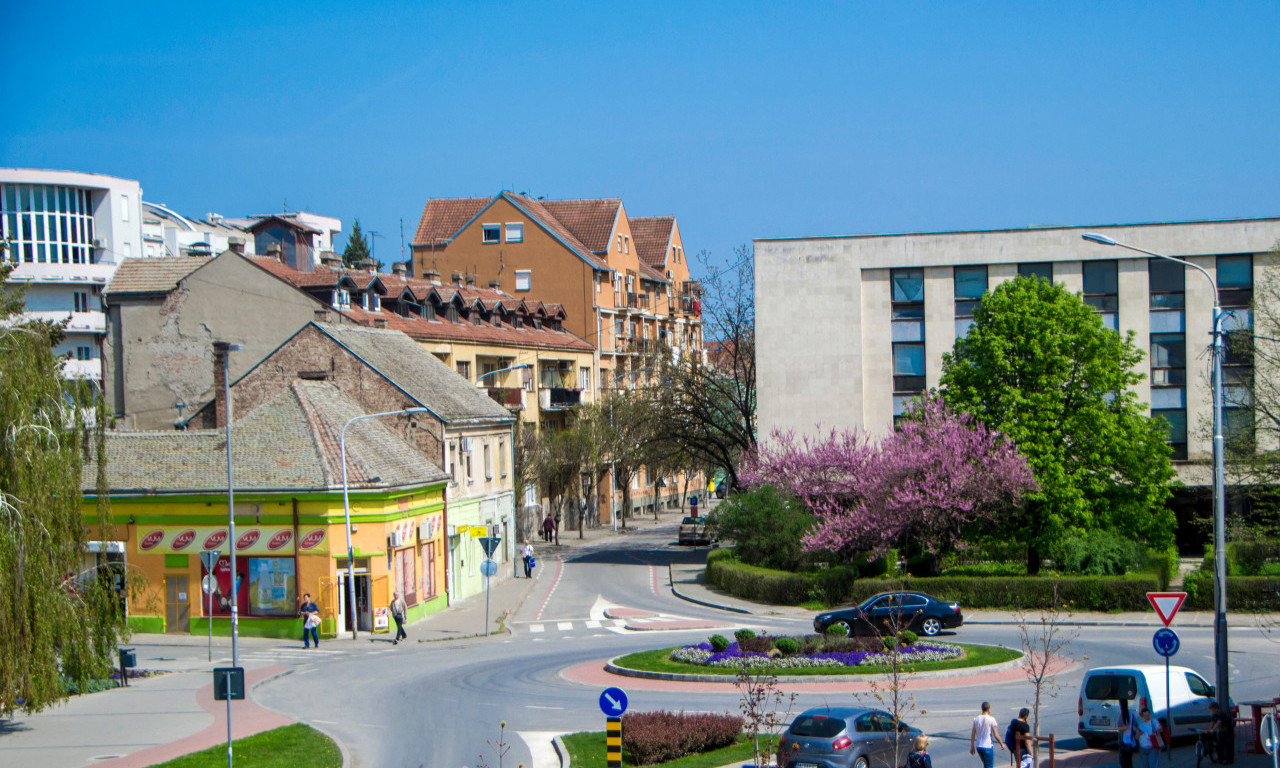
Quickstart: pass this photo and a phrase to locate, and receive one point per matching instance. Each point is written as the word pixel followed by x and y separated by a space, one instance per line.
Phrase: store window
pixel 406 575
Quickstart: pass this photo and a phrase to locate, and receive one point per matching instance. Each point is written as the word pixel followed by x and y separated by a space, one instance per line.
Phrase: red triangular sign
pixel 1166 604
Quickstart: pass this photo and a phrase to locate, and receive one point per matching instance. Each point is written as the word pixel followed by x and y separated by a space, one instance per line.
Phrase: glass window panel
pixel 908 285
pixel 37 198
pixel 963 325
pixel 1237 320
pixel 1235 272
pixel 1167 300
pixel 40 255
pixel 908 359
pixel 1168 397
pixel 1168 350
pixel 1036 269
pixel 10 198
pixel 908 311
pixel 1237 423
pixel 966 308
pixel 39 227
pixel 1103 303
pixel 1177 423
pixel 900 403
pixel 1101 277
pixel 911 330
pixel 1111 320
pixel 1235 298
pixel 1169 377
pixel 1164 276
pixel 1167 322
pixel 1237 396
pixel 62 198
pixel 970 282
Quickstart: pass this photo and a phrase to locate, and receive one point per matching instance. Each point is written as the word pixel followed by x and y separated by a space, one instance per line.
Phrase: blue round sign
pixel 613 701
pixel 489 568
pixel 1166 642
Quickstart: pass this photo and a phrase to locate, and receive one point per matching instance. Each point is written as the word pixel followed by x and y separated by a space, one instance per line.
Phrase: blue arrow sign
pixel 613 702
pixel 1166 642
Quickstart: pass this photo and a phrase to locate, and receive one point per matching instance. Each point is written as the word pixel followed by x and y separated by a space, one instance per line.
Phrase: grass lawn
pixel 285 747
pixel 586 750
pixel 659 661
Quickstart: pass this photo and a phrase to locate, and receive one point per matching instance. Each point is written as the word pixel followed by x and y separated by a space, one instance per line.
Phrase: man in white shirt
pixel 526 554
pixel 983 739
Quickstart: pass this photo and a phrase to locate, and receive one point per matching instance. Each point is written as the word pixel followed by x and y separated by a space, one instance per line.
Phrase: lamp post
pixel 1221 667
pixel 346 510
pixel 224 349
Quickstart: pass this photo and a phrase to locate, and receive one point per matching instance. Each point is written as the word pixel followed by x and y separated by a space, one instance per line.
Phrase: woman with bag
pixel 1127 739
pixel 310 613
pixel 1150 740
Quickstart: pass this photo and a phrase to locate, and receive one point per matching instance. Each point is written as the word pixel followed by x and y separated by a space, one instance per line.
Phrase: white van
pixel 1143 686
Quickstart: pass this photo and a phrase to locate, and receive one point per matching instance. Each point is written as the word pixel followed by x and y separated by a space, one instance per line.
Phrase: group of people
pixel 310 615
pixel 984 739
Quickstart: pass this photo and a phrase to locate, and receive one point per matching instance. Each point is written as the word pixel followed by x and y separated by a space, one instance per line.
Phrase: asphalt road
pixel 440 704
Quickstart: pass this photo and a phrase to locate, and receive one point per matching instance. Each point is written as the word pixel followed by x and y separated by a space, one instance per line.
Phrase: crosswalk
pixel 297 654
pixel 572 626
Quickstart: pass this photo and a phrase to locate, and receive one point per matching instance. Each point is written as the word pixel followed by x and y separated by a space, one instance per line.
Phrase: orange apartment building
pixel 623 282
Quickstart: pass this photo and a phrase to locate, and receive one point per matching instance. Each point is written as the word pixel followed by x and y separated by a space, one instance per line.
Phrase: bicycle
pixel 1206 746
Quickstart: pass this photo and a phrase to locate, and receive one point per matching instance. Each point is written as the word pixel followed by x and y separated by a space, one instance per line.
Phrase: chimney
pixel 456 278
pixel 322 316
pixel 495 285
pixel 471 280
pixel 274 251
pixel 236 245
pixel 432 274
pixel 331 260
pixel 379 322
pixel 397 269
pixel 221 407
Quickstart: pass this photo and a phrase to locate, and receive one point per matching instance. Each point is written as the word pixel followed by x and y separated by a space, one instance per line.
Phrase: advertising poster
pixel 272 586
pixel 222 596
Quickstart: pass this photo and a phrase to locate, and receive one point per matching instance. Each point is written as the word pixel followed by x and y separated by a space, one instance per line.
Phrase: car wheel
pixel 848 625
pixel 931 626
pixel 861 763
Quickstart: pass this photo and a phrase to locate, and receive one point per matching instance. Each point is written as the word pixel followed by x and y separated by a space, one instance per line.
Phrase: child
pixel 920 758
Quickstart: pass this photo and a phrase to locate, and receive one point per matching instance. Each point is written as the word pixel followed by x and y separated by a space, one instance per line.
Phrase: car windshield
pixel 691 521
pixel 817 725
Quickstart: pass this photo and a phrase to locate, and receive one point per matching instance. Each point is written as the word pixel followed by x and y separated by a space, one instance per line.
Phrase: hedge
pixel 658 737
pixel 835 586
pixel 1244 593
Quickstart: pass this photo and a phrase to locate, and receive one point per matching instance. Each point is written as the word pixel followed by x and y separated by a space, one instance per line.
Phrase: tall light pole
pixel 224 349
pixel 1221 667
pixel 346 510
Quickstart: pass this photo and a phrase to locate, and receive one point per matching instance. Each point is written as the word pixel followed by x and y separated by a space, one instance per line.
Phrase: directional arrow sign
pixel 613 702
pixel 1166 642
pixel 1166 604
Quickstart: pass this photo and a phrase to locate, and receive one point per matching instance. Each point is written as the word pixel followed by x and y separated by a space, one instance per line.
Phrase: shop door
pixel 177 606
pixel 363 610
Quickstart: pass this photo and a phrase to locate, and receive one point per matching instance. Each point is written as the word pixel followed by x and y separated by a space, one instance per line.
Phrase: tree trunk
pixel 1033 561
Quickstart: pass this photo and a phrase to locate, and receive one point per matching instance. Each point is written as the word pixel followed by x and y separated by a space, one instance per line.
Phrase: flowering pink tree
pixel 927 484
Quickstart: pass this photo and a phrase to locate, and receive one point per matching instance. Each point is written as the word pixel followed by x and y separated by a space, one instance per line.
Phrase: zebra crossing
pixel 297 654
pixel 572 626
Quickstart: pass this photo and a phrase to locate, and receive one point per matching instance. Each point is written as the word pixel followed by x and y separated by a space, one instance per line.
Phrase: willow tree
pixel 56 618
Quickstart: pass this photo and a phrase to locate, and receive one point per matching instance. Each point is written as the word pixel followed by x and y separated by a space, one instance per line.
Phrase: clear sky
pixel 742 119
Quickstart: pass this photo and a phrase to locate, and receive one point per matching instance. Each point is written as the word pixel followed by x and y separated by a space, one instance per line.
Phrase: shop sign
pixel 380 620
pixel 256 540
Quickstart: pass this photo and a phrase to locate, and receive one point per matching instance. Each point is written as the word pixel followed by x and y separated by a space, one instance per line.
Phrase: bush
pixel 987 569
pixel 1081 593
pixel 889 641
pixel 832 585
pixel 718 643
pixel 787 646
pixel 1249 558
pixel 765 526
pixel 658 737
pixel 743 635
pixel 1244 593
pixel 755 583
pixel 837 630
pixel 909 637
pixel 753 644
pixel 1098 553
pixel 1163 564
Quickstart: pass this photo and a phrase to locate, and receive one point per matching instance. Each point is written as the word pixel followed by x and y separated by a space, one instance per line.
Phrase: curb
pixel 672 583
pixel 614 669
pixel 562 751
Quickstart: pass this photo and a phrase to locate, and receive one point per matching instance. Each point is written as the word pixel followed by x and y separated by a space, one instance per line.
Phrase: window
pixel 908 367
pixel 464 369
pixel 908 286
pixel 406 578
pixel 502 457
pixel 488 463
pixel 1102 290
pixel 124 207
pixel 453 463
pixel 467 460
pixel 1198 686
pixel 526 374
pixel 1235 280
pixel 1238 426
pixel 429 311
pixel 524 279
pixel 84 353
pixel 515 232
pixel 1166 281
pixel 341 298
pixel 1176 420
pixel 907 293
pixel 428 570
pixel 970 284
pixel 81 301
pixel 1042 269
pixel 584 378
pixel 491 233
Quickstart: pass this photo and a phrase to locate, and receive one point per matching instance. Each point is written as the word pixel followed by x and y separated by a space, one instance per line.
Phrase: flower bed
pixel 732 657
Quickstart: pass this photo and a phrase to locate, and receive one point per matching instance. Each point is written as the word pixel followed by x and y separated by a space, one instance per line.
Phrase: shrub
pixel 838 630
pixel 753 644
pixel 1164 564
pixel 1083 593
pixel 787 646
pixel 909 637
pixel 658 737
pixel 766 527
pixel 743 635
pixel 718 643
pixel 832 585
pixel 755 583
pixel 1098 553
pixel 850 644
pixel 889 641
pixel 1249 558
pixel 1244 593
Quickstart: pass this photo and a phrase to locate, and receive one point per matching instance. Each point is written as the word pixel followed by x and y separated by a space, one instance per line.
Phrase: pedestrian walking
pixel 1128 738
pixel 310 613
pixel 526 554
pixel 983 738
pixel 548 528
pixel 398 609
pixel 1017 737
pixel 1150 740
pixel 920 757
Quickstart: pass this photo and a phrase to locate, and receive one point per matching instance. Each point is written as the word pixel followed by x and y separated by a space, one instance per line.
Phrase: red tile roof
pixel 321 277
pixel 485 333
pixel 591 221
pixel 652 237
pixel 442 218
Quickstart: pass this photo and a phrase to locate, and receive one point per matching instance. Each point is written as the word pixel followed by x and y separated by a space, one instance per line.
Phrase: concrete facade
pixel 849 381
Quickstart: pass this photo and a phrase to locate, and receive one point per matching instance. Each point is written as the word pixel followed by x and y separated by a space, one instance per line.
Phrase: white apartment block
pixel 67 232
pixel 889 307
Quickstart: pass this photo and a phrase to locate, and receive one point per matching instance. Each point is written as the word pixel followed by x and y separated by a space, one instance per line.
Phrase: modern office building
pixel 66 232
pixel 894 304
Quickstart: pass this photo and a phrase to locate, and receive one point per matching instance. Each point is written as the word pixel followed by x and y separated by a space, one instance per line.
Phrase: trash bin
pixel 128 658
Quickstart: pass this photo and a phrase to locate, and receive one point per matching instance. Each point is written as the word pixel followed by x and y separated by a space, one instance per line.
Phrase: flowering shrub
pixel 704 655
pixel 657 737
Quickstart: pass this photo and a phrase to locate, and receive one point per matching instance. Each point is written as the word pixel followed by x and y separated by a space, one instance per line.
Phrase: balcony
pixel 638 301
pixel 78 322
pixel 512 398
pixel 558 398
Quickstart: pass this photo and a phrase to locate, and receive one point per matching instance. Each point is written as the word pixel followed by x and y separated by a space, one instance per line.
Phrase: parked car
pixel 844 737
pixel 694 530
pixel 882 613
pixel 1142 685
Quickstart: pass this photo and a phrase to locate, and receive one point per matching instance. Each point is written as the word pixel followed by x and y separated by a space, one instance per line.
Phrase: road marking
pixel 554 583
pixel 539 706
pixel 564 626
pixel 536 628
pixel 593 624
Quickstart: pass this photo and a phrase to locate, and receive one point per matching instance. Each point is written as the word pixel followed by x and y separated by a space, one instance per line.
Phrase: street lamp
pixel 223 348
pixel 1219 482
pixel 346 510
pixel 501 370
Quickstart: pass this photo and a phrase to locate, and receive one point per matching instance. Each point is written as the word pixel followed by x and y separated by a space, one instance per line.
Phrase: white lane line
pixel 593 624
pixel 537 628
pixel 564 626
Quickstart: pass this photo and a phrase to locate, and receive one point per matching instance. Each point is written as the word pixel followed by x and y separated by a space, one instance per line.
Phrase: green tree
pixel 1039 366
pixel 766 527
pixel 356 253
pixel 54 617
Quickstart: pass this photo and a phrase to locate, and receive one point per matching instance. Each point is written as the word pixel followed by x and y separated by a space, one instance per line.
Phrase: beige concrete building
pixel 894 304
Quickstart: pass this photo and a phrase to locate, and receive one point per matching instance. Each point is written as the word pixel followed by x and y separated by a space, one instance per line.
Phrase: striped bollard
pixel 613 742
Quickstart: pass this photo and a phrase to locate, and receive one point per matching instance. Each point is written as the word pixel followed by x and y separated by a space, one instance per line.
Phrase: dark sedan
pixel 883 613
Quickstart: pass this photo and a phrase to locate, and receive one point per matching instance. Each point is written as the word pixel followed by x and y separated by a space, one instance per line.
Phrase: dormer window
pixel 429 311
pixel 475 316
pixel 491 233
pixel 341 298
pixel 453 313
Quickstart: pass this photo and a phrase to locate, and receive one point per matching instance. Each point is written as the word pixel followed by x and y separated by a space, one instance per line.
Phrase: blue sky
pixel 744 120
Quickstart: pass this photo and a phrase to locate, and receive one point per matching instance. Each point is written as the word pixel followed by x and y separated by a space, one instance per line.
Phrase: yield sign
pixel 1166 604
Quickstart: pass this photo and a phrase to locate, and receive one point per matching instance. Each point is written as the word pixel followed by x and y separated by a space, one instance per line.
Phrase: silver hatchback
pixel 845 737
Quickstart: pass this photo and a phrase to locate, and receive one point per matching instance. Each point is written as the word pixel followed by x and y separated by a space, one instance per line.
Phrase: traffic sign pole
pixel 209 558
pixel 613 742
